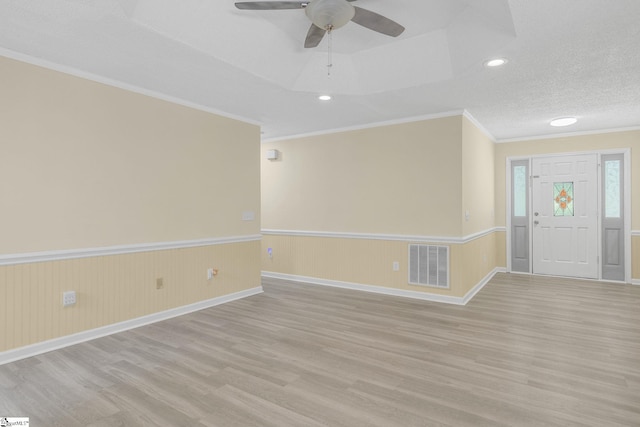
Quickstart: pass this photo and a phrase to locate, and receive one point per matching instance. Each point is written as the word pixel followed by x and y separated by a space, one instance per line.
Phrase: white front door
pixel 565 215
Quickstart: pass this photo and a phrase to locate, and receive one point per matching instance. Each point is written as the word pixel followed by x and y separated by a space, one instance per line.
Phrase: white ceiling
pixel 566 57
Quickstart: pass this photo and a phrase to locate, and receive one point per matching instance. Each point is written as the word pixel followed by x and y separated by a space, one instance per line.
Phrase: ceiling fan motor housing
pixel 330 14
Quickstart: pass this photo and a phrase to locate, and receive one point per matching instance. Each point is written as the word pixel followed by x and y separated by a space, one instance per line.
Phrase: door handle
pixel 536 222
pixel 536 213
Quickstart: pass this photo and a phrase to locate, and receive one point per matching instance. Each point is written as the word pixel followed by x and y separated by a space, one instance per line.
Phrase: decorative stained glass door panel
pixel 563 198
pixel 565 222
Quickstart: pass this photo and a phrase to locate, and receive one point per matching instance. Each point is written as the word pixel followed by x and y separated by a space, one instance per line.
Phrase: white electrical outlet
pixel 68 298
pixel 396 266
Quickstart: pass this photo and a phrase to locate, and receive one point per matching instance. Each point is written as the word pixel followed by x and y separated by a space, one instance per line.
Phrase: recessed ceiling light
pixel 324 97
pixel 563 121
pixel 495 62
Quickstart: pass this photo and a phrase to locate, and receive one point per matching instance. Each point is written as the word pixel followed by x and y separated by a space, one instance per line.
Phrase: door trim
pixel 626 152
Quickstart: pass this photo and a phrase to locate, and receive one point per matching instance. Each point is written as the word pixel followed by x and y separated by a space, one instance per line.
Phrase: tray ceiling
pixel 565 57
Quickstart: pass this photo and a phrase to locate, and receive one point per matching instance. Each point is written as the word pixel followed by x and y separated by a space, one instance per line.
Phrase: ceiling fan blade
pixel 271 5
pixel 314 36
pixel 376 22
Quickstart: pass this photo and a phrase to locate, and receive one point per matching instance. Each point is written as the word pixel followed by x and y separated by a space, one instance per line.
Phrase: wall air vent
pixel 429 265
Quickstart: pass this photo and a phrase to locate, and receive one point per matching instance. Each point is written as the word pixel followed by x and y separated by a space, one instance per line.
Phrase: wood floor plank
pixel 526 351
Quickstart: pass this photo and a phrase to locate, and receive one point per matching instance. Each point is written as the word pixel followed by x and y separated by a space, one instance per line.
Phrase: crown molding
pixel 568 134
pixel 7 53
pixel 368 126
pixel 478 125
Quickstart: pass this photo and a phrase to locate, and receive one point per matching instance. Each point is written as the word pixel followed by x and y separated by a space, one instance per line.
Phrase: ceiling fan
pixel 327 15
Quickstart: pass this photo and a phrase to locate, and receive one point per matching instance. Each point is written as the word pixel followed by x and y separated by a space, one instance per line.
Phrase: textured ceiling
pixel 566 57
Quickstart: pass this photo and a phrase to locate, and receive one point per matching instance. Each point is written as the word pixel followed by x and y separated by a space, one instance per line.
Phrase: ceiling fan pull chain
pixel 329 59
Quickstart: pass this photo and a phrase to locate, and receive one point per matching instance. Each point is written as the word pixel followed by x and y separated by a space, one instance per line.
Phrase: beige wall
pixel 400 179
pixel 116 288
pixel 501 249
pixel 87 165
pixel 411 179
pixel 604 141
pixel 370 261
pixel 477 259
pixel 84 165
pixel 477 175
pixel 635 252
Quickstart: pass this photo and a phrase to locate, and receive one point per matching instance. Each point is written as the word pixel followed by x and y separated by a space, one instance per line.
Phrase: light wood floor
pixel 525 351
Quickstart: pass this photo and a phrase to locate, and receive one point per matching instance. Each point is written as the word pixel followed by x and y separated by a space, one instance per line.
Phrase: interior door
pixel 565 215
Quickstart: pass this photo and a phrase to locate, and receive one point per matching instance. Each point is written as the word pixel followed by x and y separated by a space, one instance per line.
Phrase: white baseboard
pixel 473 291
pixel 57 343
pixel 635 282
pixel 387 291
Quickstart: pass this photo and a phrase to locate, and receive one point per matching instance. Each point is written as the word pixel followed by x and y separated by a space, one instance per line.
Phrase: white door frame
pixel 626 152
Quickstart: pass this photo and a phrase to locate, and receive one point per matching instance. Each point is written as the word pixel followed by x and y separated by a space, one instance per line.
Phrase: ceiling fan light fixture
pixel 497 62
pixel 563 121
pixel 324 97
pixel 330 14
